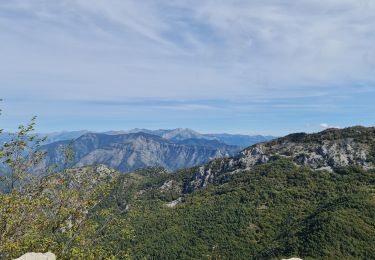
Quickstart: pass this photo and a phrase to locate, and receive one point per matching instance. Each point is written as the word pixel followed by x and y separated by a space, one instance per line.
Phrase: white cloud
pixel 324 126
pixel 237 50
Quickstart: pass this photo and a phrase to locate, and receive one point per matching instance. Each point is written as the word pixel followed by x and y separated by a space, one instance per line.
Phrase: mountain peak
pixel 182 133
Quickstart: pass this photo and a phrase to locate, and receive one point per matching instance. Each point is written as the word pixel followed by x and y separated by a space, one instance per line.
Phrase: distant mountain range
pixel 138 148
pixel 177 134
pixel 51 137
pixel 127 152
pixel 65 135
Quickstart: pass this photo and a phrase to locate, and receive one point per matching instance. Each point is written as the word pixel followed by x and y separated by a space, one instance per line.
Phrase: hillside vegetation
pixel 263 204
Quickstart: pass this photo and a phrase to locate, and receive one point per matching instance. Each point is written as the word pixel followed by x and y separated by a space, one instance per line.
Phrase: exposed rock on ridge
pixel 328 150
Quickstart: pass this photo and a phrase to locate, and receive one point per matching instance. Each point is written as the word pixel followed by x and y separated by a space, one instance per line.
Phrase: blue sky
pixel 267 67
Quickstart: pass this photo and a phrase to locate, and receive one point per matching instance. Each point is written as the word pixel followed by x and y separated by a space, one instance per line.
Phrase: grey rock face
pixel 328 150
pixel 139 150
pixel 170 185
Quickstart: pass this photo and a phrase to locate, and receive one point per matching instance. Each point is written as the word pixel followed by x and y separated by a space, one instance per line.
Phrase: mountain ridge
pixel 132 151
pixel 177 134
pixel 328 150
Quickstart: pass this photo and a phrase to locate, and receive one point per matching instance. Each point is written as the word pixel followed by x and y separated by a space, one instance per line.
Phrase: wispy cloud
pixel 241 51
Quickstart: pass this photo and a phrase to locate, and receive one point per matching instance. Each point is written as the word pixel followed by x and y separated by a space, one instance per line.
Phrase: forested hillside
pixel 244 207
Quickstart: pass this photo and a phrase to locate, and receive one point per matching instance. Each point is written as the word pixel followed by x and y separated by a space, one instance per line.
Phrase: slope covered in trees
pixel 247 207
pixel 272 211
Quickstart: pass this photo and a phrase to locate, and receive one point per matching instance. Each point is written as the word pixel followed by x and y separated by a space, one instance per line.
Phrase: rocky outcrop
pixel 37 256
pixel 328 150
pixel 174 203
pixel 170 185
pixel 327 154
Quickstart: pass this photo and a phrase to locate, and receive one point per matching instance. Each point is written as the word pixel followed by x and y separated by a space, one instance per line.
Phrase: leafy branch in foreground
pixel 21 156
pixel 43 208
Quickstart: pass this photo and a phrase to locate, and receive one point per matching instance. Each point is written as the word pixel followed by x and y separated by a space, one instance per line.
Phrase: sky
pixel 236 66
